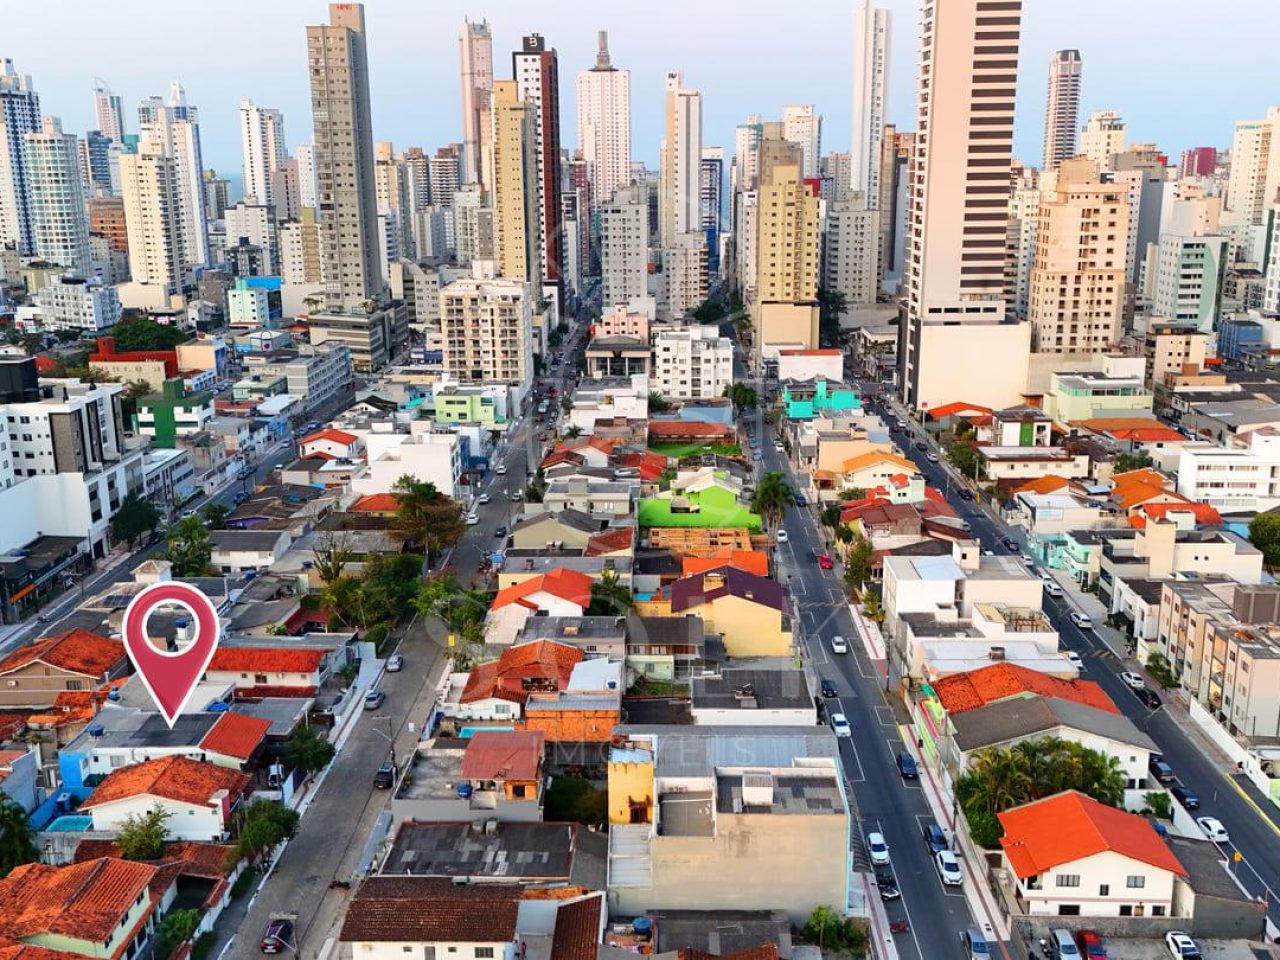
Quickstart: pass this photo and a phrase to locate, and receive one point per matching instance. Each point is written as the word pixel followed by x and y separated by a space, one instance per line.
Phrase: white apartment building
pixel 475 47
pixel 1062 111
pixel 19 115
pixel 870 72
pixel 604 123
pixel 257 224
pixel 692 363
pixel 802 125
pixel 1233 479
pixel 1102 137
pixel 681 156
pixel 624 247
pixel 149 189
pixel 1184 280
pixel 263 147
pixel 486 328
pixel 248 307
pixel 174 129
pixel 320 376
pixel 59 218
pixel 422 453
pixel 1255 169
pixel 1024 223
pixel 684 275
pixel 72 303
pixel 851 251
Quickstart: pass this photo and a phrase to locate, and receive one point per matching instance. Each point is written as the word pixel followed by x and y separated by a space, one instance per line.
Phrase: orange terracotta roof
pixel 266 660
pixel 613 540
pixel 1149 435
pixel 977 688
pixel 86 901
pixel 211 861
pixel 546 661
pixel 76 651
pixel 1204 513
pixel 236 735
pixel 375 503
pixel 951 409
pixel 864 460
pixel 332 435
pixel 557 457
pixel 566 584
pixel 649 464
pixel 1133 493
pixel 1141 475
pixel 752 561
pixel 688 428
pixel 1046 484
pixel 1111 424
pixel 172 778
pixel 1071 826
pixel 503 755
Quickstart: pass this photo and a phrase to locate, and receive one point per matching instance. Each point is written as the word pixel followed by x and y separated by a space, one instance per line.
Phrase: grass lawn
pixel 693 449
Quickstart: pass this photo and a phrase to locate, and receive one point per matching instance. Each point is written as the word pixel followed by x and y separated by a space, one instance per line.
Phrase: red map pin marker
pixel 170 678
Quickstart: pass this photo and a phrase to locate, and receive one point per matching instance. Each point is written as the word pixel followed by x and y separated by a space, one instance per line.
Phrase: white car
pixel 948 868
pixel 1081 620
pixel 1075 659
pixel 1051 586
pixel 839 645
pixel 483 498
pixel 501 469
pixel 1133 681
pixel 1213 829
pixel 472 519
pixel 931 457
pixel 517 496
pixel 782 536
pixel 877 849
pixel 841 725
pixel 395 663
pixel 1181 946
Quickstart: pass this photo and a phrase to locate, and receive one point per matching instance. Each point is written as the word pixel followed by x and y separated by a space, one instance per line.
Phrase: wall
pixel 628 781
pixel 749 629
pixel 729 717
pixel 974 363
pixel 401 950
pixel 1103 869
pixel 187 822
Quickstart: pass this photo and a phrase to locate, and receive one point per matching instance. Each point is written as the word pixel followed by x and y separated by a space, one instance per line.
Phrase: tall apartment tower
pixel 1062 112
pixel 1080 268
pixel 1255 169
pixel 870 73
pixel 955 341
pixel 108 111
pixel 59 219
pixel 1102 138
pixel 263 148
pixel 475 56
pixel 711 203
pixel 149 191
pixel 624 247
pixel 537 74
pixel 787 261
pixel 173 125
pixel 344 160
pixel 19 115
pixel 681 156
pixel 604 123
pixel 802 125
pixel 515 185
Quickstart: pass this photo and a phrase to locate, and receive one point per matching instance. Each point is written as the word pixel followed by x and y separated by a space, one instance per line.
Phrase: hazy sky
pixel 1179 73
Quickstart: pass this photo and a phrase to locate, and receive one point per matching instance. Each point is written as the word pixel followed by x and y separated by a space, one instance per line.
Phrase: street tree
pixel 135 517
pixel 190 548
pixel 17 842
pixel 425 517
pixel 308 749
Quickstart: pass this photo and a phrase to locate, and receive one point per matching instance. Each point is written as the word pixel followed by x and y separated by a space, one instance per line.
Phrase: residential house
pixel 594 636
pixel 667 648
pixel 748 697
pixel 1049 517
pixel 520 565
pixel 879 472
pixel 568 528
pixel 942 643
pixel 1233 479
pixel 1010 464
pixel 805 399
pixel 491 775
pixel 683 432
pixel 697 541
pixel 238 551
pixel 431 917
pixel 20 778
pixel 1023 426
pixel 608 498
pixel 557 593
pixel 34 675
pixel 1118 389
pixel 331 444
pixel 716 506
pixel 752 614
pixel 1138 436
pixel 617 356
pixel 270 671
pixel 199 797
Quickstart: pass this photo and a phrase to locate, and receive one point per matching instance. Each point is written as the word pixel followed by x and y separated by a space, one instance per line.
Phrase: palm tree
pixel 772 497
pixel 610 596
pixel 1003 778
pixel 16 844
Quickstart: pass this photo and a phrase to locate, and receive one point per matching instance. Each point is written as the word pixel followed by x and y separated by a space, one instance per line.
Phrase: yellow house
pixel 631 783
pixel 751 613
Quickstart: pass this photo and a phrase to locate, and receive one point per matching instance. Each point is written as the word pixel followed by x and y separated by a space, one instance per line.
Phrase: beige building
pixel 1102 138
pixel 486 329
pixel 514 185
pixel 624 247
pixel 681 161
pixel 787 261
pixel 684 275
pixel 149 189
pixel 1062 111
pixel 1174 348
pixel 1078 276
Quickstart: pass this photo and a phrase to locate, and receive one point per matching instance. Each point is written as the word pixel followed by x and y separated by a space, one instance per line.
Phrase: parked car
pixel 1181 946
pixel 1148 698
pixel 483 498
pixel 517 496
pixel 1160 769
pixel 1075 659
pixel 499 531
pixel 887 886
pixel 934 838
pixel 781 535
pixel 1213 829
pixel 1051 586
pixel 931 457
pixel 1132 680
pixel 801 500
pixel 907 766
pixel 1091 946
pixel 839 645
pixel 374 699
pixel 840 724
pixel 948 868
pixel 877 849
pixel 975 944
pixel 824 561
pixel 1185 796
pixel 472 519
pixel 828 689
pixel 965 493
pixel 921 446
pixel 1010 544
pixel 1081 620
pixel 385 778
pixel 500 469
pixel 278 937
pixel 395 663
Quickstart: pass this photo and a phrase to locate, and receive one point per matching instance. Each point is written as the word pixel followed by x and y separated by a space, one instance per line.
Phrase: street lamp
pixel 388 736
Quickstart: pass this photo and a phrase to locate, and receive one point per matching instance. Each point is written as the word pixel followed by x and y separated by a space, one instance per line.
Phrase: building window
pixel 1135 882
pixel 1104 889
pixel 482 952
pixel 1068 909
pixel 1067 880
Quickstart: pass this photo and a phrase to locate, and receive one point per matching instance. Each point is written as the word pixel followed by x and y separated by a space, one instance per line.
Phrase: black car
pixel 921 446
pixel 828 689
pixel 907 766
pixel 385 777
pixel 934 838
pixel 965 493
pixel 1011 544
pixel 1160 769
pixel 1148 697
pixel 1185 797
pixel 500 532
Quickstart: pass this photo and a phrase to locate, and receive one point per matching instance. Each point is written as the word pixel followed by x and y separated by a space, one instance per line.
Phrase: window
pixel 1067 880
pixel 1068 909
pixel 1157 910
pixel 484 952
pixel 1135 882
pixel 1104 889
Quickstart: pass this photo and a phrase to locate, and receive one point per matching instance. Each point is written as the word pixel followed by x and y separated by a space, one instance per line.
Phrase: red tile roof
pixel 76 651
pixel 209 860
pixel 649 464
pixel 568 585
pixel 662 429
pixel 86 901
pixel 266 660
pixel 752 561
pixel 557 457
pixel 1149 435
pixel 236 735
pixel 332 435
pixel 977 688
pixel 503 755
pixel 577 929
pixel 952 409
pixel 430 910
pixel 545 663
pixel 375 503
pixel 171 778
pixel 1045 484
pixel 1204 513
pixel 1070 826
pixel 613 540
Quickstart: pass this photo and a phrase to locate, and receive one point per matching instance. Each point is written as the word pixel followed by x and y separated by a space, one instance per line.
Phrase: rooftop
pixel 684 751
pixel 503 755
pixel 418 909
pixel 171 778
pixel 84 901
pixel 746 689
pixel 1019 717
pixel 977 688
pixel 794 793
pixel 75 651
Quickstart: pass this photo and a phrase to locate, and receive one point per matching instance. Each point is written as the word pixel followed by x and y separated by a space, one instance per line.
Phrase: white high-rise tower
pixel 263 147
pixel 604 124
pixel 19 115
pixel 475 52
pixel 59 219
pixel 802 125
pixel 174 127
pixel 108 111
pixel 870 70
pixel 1062 112
pixel 681 155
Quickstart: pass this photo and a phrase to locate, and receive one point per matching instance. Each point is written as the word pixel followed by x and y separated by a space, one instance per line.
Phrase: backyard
pixel 680 450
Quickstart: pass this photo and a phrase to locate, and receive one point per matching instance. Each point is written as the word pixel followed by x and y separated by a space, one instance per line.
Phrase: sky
pixel 1179 75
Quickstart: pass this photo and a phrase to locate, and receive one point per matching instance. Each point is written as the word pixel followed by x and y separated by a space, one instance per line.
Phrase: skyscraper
pixel 681 156
pixel 263 148
pixel 604 123
pixel 787 261
pixel 1062 113
pixel 149 190
pixel 955 342
pixel 343 143
pixel 59 219
pixel 870 70
pixel 475 53
pixel 1255 169
pixel 515 186
pixel 174 127
pixel 1198 162
pixel 19 115
pixel 107 109
pixel 537 75
pixel 624 247
pixel 802 125
pixel 711 202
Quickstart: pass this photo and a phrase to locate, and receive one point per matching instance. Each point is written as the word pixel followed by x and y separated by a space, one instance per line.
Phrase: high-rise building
pixel 1255 169
pixel 836 175
pixel 1079 274
pixel 787 261
pixel 344 160
pixel 59 219
pixel 106 219
pixel 445 168
pixel 745 172
pixel 486 329
pixel 99 163
pixel 1184 272
pixel 515 185
pixel 19 115
pixel 1102 138
pixel 255 223
pixel 802 125
pixel 624 247
pixel 604 123
pixel 306 157
pixel 475 54
pixel 1023 227
pixel 263 147
pixel 173 126
pixel 870 74
pixel 108 111
pixel 1198 162
pixel 955 342
pixel 681 155
pixel 1062 112
pixel 710 203
pixel 537 76
pixel 851 250
pixel 1145 178
pixel 684 275
pixel 692 363
pixel 217 195
pixel 576 196
pixel 149 189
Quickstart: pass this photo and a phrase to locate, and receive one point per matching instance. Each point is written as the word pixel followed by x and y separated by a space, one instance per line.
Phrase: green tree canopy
pixel 190 548
pixel 176 929
pixel 215 515
pixel 425 517
pixel 1131 461
pixel 772 497
pixel 17 843
pixel 143 333
pixel 963 455
pixel 1264 533
pixel 658 403
pixel 135 517
pixel 143 836
pixel 857 563
pixel 308 749
pixel 261 827
pixel 610 597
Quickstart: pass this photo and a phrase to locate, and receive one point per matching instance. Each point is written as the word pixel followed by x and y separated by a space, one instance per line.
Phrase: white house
pixel 331 444
pixel 236 551
pixel 199 797
pixel 432 457
pixel 1232 478
pixel 1070 855
pixel 558 593
pixel 288 671
pixel 1027 463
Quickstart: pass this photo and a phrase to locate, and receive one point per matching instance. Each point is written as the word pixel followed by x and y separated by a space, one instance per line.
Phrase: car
pixel 988 553
pixel 1091 946
pixel 1029 561
pixel 395 663
pixel 1181 945
pixel 1185 796
pixel 1010 544
pixel 499 531
pixel 781 536
pixel 840 724
pixel 931 457
pixel 385 778
pixel 517 496
pixel 975 944
pixel 965 493
pixel 779 447
pixel 753 442
pixel 472 519
pixel 948 868
pixel 877 849
pixel 1160 769
pixel 907 766
pixel 828 689
pixel 801 501
pixel 1081 620
pixel 887 886
pixel 1051 586
pixel 1213 829
pixel 1132 680
pixel 1074 659
pixel 374 699
pixel 921 446
pixel 1148 698
pixel 824 561
pixel 484 498
pixel 755 455
pixel 934 838
pixel 278 937
pixel 501 470
pixel 839 644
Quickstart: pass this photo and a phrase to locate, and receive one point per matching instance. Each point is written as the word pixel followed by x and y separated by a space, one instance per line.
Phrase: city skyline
pixel 411 54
